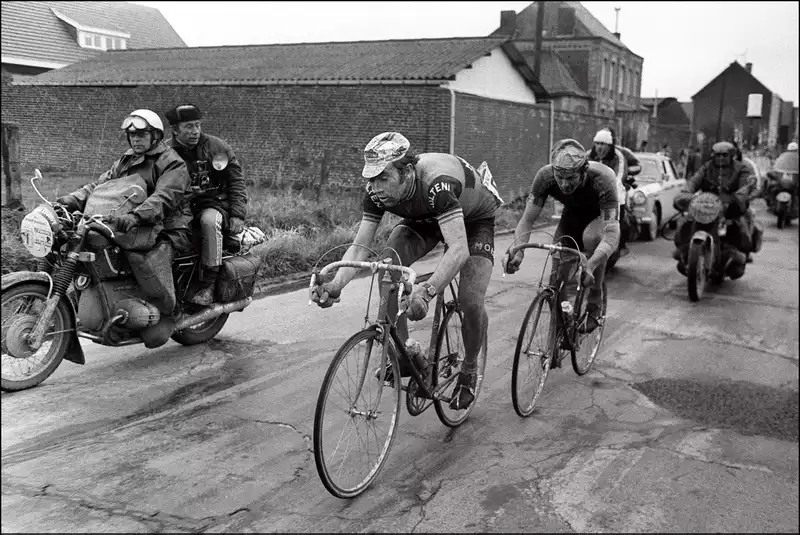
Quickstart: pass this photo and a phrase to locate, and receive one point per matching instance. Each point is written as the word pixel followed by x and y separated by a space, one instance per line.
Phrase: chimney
pixel 748 67
pixel 508 21
pixel 617 35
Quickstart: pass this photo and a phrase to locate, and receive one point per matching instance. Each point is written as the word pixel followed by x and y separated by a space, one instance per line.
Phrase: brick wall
pixel 278 132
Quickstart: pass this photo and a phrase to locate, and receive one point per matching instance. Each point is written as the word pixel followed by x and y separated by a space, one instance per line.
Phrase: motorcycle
pixel 781 190
pixel 703 261
pixel 85 288
pixel 628 226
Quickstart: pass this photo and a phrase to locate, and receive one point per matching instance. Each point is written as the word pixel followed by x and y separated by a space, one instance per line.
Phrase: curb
pixel 296 281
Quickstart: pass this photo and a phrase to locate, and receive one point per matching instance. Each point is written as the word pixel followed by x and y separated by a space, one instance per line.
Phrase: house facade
pixel 41 36
pixel 603 67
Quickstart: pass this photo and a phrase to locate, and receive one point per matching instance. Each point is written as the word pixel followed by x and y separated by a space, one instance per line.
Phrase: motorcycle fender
pixel 701 236
pixel 10 280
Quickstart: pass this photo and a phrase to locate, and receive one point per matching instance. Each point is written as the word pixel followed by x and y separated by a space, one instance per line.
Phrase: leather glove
pixel 325 294
pixel 69 202
pixel 416 303
pixel 126 222
pixel 236 225
pixel 511 265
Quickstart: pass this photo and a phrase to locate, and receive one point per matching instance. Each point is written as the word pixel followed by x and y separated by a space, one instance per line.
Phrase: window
pixel 603 74
pixel 611 77
pixel 100 42
pixel 87 40
pixel 620 79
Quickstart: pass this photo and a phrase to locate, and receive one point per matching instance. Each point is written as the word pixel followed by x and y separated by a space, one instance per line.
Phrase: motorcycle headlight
pixel 639 197
pixel 37 230
pixel 705 208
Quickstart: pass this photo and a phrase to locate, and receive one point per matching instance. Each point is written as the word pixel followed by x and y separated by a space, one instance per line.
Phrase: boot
pixel 208 282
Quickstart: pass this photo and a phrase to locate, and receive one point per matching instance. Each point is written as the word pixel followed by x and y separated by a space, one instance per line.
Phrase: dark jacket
pixel 167 181
pixel 227 188
pixel 731 183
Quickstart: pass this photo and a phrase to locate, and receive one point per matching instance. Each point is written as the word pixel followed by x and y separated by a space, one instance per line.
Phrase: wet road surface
pixel 688 422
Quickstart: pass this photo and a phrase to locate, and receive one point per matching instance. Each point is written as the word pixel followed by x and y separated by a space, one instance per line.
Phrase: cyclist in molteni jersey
pixel 591 217
pixel 441 198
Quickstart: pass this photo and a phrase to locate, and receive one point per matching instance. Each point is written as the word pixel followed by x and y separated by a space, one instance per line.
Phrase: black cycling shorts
pixel 414 239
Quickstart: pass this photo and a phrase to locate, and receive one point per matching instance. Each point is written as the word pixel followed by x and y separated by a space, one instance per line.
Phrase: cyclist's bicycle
pixel 359 402
pixel 552 327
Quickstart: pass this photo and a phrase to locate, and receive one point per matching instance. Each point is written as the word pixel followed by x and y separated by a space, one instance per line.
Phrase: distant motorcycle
pixel 781 190
pixel 90 292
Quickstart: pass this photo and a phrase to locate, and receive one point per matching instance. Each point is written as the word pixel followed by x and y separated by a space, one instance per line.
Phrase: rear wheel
pixel 201 333
pixel 584 350
pixel 696 270
pixel 23 367
pixel 534 354
pixel 450 354
pixel 356 416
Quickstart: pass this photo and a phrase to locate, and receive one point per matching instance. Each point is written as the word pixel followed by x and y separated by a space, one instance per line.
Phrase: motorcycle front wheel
pixel 22 367
pixel 696 270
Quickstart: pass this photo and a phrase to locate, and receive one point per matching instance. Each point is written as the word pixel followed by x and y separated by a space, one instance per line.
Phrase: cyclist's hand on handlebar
pixel 416 303
pixel 325 294
pixel 511 265
pixel 587 276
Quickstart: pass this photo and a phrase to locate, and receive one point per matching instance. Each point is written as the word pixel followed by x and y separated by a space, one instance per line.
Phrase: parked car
pixel 651 201
pixel 658 185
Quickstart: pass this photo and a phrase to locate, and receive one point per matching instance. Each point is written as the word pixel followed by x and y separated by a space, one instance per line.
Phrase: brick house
pixel 284 107
pixel 41 36
pixel 556 77
pixel 720 110
pixel 599 62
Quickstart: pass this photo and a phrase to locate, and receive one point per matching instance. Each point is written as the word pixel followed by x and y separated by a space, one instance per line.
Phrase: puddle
pixel 747 408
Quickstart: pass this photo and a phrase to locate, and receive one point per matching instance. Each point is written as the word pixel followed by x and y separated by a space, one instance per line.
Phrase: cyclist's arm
pixel 609 212
pixel 357 252
pixel 533 207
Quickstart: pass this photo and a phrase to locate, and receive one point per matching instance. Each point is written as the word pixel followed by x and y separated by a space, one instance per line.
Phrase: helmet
pixel 723 147
pixel 183 113
pixel 142 120
pixel 604 136
pixel 792 146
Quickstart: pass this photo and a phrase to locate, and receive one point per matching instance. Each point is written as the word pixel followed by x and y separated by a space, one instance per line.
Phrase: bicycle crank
pixel 415 404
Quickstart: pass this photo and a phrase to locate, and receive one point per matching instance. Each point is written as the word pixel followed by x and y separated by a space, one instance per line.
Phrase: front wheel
pixel 356 415
pixel 696 270
pixel 534 354
pixel 22 367
pixel 449 361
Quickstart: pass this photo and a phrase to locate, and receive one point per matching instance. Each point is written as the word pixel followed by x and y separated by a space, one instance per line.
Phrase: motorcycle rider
pixel 731 181
pixel 220 201
pixel 606 151
pixel 164 210
pixel 588 192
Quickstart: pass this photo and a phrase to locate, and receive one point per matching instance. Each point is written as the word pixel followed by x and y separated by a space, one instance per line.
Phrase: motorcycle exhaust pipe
pixel 213 312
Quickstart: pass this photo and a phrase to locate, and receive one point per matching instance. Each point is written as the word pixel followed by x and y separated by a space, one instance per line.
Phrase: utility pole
pixel 537 46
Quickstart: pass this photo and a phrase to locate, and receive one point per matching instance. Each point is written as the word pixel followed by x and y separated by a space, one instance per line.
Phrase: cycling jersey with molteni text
pixel 446 187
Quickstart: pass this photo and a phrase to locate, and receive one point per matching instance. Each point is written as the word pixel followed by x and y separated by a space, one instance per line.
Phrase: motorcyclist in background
pixel 731 181
pixel 163 212
pixel 606 151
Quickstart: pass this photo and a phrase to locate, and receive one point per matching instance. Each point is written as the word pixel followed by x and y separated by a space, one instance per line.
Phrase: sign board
pixel 754 104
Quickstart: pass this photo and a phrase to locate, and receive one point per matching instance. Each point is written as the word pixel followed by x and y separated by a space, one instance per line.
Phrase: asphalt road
pixel 688 422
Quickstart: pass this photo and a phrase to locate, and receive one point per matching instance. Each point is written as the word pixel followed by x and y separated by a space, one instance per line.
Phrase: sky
pixel 684 44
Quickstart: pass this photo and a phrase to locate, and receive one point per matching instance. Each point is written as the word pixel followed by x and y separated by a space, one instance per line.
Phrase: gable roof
pixel 586 23
pixel 662 102
pixel 734 66
pixel 45 31
pixel 411 61
pixel 555 76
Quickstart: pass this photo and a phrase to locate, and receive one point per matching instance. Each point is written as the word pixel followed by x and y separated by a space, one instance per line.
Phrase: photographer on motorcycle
pixel 220 199
pixel 731 181
pixel 163 218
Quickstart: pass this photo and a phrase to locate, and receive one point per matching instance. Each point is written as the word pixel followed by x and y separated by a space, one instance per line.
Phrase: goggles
pixel 564 175
pixel 134 122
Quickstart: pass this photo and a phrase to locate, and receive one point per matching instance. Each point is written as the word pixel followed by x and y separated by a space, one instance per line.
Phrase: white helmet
pixel 792 146
pixel 143 120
